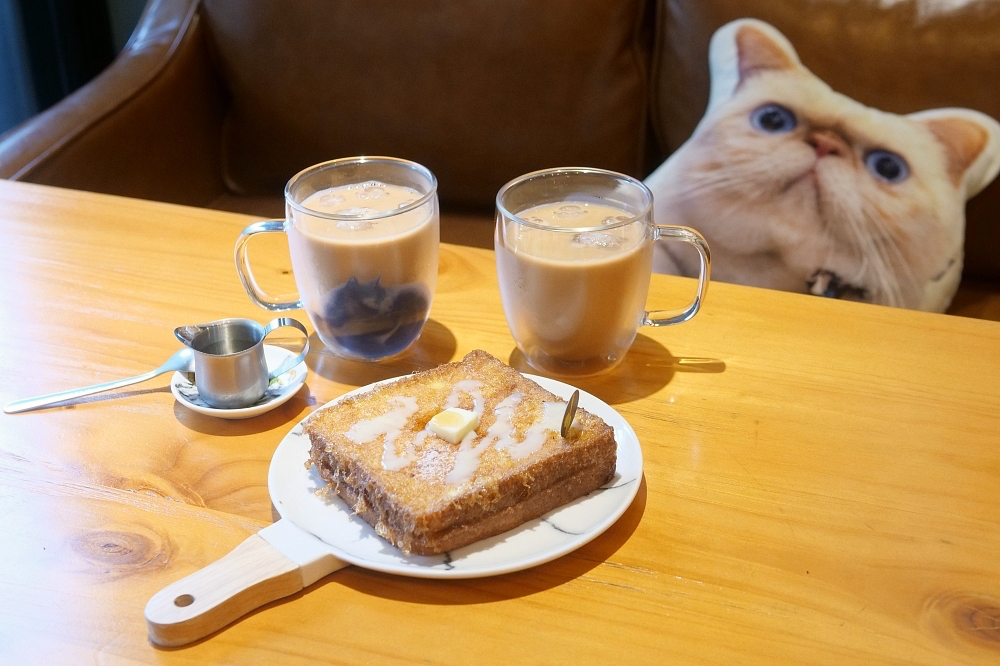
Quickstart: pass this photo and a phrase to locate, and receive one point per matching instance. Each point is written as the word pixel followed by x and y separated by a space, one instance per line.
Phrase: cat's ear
pixel 762 48
pixel 971 142
pixel 745 48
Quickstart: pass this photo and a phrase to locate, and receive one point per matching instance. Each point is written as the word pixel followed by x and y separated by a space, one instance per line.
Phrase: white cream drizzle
pixel 391 425
pixel 538 432
pixel 471 387
pixel 501 435
pixel 467 459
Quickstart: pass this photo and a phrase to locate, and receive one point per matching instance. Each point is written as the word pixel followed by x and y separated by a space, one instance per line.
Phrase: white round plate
pixel 278 393
pixel 293 491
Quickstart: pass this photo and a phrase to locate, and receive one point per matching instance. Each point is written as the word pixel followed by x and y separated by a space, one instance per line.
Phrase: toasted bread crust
pixel 414 507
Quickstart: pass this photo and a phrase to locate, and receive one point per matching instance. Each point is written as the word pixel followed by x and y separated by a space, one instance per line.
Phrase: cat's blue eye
pixel 773 119
pixel 887 166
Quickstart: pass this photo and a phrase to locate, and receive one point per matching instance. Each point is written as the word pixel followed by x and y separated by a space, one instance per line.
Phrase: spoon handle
pixel 52 398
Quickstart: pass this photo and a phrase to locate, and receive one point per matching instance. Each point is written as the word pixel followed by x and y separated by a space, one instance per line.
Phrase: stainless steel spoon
pixel 181 361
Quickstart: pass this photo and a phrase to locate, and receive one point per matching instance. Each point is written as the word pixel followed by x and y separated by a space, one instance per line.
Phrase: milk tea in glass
pixel 363 235
pixel 574 253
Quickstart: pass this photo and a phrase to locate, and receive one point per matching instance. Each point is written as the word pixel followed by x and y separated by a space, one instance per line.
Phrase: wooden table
pixel 822 479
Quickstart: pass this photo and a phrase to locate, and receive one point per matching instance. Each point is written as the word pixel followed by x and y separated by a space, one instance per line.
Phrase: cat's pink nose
pixel 827 143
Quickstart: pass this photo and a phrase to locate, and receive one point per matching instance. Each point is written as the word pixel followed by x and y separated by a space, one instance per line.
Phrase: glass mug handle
pixel 256 294
pixel 686 235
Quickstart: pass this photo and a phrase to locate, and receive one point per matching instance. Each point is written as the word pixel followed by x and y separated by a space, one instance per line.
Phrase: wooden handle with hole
pixel 279 560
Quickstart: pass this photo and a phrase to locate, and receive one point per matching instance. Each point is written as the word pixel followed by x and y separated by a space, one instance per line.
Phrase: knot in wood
pixel 980 618
pixel 968 616
pixel 120 552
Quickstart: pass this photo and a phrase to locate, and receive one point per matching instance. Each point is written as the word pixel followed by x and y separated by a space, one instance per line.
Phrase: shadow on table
pixel 471 590
pixel 97 397
pixel 290 412
pixel 435 346
pixel 497 588
pixel 647 368
pixel 466 591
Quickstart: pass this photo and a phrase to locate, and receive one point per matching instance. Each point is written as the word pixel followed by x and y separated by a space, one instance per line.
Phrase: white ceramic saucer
pixel 293 491
pixel 278 393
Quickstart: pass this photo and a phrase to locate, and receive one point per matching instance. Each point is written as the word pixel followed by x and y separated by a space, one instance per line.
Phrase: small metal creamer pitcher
pixel 229 364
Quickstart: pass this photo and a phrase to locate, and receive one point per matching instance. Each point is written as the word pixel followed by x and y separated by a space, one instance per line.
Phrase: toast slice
pixel 426 495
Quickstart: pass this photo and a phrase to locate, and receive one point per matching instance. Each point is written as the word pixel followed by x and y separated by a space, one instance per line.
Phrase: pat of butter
pixel 453 424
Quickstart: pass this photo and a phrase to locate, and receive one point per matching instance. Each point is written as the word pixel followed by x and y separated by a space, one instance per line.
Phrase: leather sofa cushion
pixel 479 91
pixel 900 57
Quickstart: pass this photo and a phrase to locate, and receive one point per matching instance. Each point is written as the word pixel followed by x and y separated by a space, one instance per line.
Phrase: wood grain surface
pixel 822 479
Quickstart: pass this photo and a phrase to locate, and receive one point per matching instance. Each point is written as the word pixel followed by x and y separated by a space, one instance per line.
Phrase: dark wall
pixel 17 94
pixel 49 48
pixel 68 43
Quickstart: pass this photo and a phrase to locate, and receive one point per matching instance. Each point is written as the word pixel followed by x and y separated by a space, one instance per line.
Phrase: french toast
pixel 426 495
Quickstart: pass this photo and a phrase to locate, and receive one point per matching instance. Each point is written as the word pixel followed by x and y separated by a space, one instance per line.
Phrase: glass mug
pixel 363 234
pixel 574 252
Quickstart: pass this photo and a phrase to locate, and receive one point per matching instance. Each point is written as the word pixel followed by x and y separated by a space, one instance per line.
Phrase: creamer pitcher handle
pixel 686 235
pixel 295 360
pixel 256 294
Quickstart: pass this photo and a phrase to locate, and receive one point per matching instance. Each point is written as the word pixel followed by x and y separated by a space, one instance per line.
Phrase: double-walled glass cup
pixel 363 233
pixel 574 252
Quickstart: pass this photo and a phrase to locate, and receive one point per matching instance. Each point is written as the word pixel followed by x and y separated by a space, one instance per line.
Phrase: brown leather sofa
pixel 216 103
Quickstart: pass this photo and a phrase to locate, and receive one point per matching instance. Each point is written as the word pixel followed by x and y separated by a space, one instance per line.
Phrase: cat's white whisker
pixel 873 273
pixel 903 277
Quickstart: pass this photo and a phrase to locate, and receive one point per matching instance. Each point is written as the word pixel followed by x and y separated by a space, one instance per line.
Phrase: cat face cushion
pixel 797 187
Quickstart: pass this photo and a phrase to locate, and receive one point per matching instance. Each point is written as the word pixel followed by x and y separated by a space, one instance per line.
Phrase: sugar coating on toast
pixel 426 495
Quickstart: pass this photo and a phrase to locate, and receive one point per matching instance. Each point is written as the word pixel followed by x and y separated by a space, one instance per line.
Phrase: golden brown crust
pixel 414 507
